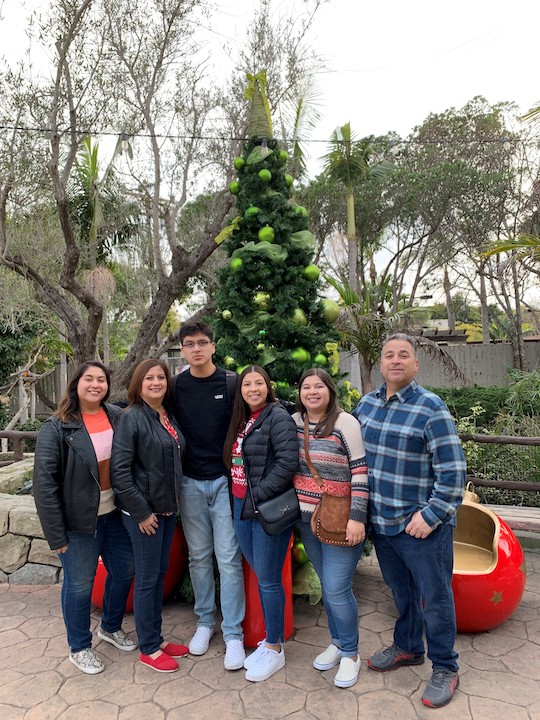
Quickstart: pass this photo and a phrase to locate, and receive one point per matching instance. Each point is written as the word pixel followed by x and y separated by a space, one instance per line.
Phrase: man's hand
pixel 418 527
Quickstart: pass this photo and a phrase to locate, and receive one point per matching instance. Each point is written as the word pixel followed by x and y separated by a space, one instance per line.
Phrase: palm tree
pixel 349 163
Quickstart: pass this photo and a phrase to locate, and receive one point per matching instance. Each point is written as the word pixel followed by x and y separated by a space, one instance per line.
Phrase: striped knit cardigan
pixel 340 461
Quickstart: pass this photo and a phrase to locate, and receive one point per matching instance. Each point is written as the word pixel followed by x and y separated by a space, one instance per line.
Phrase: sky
pixel 390 62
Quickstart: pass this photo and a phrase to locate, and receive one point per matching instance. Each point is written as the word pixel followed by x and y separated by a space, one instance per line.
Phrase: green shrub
pixel 461 400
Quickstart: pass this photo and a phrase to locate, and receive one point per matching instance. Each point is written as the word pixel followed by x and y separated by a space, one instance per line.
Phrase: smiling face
pixel 399 365
pixel 254 390
pixel 154 386
pixel 314 396
pixel 92 388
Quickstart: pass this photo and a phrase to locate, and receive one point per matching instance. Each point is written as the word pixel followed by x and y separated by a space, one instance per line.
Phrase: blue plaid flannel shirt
pixel 414 457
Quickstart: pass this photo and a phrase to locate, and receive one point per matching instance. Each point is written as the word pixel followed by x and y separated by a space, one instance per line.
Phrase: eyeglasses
pixel 189 345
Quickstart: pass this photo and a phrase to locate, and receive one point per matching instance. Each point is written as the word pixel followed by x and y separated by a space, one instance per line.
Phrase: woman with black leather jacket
pixel 261 447
pixel 76 508
pixel 146 469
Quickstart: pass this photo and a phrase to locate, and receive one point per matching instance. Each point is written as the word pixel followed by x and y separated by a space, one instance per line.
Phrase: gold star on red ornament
pixel 497 597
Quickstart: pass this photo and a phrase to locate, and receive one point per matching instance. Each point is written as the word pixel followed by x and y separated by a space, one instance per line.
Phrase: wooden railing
pixel 503 440
pixel 17 438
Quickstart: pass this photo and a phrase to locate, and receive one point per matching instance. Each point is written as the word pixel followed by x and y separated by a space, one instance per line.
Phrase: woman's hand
pixel 62 550
pixel 355 532
pixel 149 526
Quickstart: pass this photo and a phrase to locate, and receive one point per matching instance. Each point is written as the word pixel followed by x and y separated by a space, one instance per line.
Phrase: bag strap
pixel 310 465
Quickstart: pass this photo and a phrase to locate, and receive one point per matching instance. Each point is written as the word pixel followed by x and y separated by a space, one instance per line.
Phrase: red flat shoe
pixel 174 650
pixel 163 663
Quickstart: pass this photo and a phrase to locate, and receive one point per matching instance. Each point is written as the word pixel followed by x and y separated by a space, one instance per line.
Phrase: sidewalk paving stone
pixel 500 669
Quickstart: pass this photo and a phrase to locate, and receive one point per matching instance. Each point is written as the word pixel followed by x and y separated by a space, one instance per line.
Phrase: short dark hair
pixel 196 328
pixel 69 407
pixel 241 411
pixel 135 384
pixel 404 338
pixel 327 423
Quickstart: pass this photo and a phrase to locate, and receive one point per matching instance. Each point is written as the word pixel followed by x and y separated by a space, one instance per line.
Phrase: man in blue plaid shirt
pixel 416 471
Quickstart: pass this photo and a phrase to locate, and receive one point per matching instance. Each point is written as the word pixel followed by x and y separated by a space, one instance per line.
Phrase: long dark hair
pixel 241 411
pixel 138 375
pixel 327 423
pixel 69 407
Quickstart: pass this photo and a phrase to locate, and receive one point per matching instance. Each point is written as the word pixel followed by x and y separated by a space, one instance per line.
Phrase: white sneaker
pixel 328 659
pixel 248 662
pixel 267 663
pixel 118 638
pixel 235 654
pixel 87 661
pixel 199 643
pixel 348 672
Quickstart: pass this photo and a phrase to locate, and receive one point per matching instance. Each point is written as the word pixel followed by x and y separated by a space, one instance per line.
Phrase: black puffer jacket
pixel 146 463
pixel 66 478
pixel 270 454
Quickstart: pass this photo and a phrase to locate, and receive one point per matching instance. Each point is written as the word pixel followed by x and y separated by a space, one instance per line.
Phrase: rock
pixel 13 552
pixel 33 574
pixel 23 519
pixel 41 553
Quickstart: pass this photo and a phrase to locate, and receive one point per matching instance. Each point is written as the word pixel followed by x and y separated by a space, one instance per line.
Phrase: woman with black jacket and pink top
pixel 76 508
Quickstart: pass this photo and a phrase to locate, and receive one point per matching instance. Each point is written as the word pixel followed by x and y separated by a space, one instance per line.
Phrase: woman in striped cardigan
pixel 337 452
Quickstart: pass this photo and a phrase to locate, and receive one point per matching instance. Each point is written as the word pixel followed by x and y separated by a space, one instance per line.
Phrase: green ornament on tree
pixel 320 359
pixel 239 163
pixel 260 346
pixel 251 212
pixel 262 333
pixel 261 299
pixel 289 180
pixel 234 187
pixel 330 310
pixel 266 234
pixel 301 211
pixel 229 361
pixel 283 156
pixel 265 175
pixel 300 355
pixel 236 263
pixel 312 272
pixel 299 317
pixel 226 314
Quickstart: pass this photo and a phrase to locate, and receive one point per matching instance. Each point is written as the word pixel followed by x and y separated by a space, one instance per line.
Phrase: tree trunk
pixel 352 244
pixel 522 360
pixel 449 304
pixel 484 310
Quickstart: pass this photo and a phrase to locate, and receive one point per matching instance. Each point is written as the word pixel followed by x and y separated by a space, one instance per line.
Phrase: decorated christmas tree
pixel 270 312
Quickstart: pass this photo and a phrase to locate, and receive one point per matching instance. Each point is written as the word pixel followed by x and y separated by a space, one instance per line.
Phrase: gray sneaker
pixel 440 689
pixel 87 661
pixel 118 638
pixel 393 657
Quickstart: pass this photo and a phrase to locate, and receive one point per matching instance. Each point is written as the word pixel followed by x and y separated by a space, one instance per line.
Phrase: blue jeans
pixel 266 555
pixel 80 562
pixel 420 571
pixel 151 554
pixel 205 511
pixel 335 567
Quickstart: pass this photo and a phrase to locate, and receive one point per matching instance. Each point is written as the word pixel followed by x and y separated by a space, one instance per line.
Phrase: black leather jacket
pixel 146 463
pixel 66 478
pixel 270 454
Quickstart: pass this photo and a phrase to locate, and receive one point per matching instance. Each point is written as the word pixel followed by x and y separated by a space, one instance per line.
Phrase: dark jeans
pixel 335 567
pixel 420 572
pixel 151 554
pixel 80 562
pixel 266 555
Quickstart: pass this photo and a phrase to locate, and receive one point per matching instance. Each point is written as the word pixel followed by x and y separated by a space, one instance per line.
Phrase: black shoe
pixel 440 689
pixel 393 657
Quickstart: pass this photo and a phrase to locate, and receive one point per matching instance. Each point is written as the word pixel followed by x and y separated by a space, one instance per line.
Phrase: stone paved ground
pixel 500 670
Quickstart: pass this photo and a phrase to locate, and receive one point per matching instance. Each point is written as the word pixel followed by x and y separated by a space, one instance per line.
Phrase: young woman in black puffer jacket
pixel 261 446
